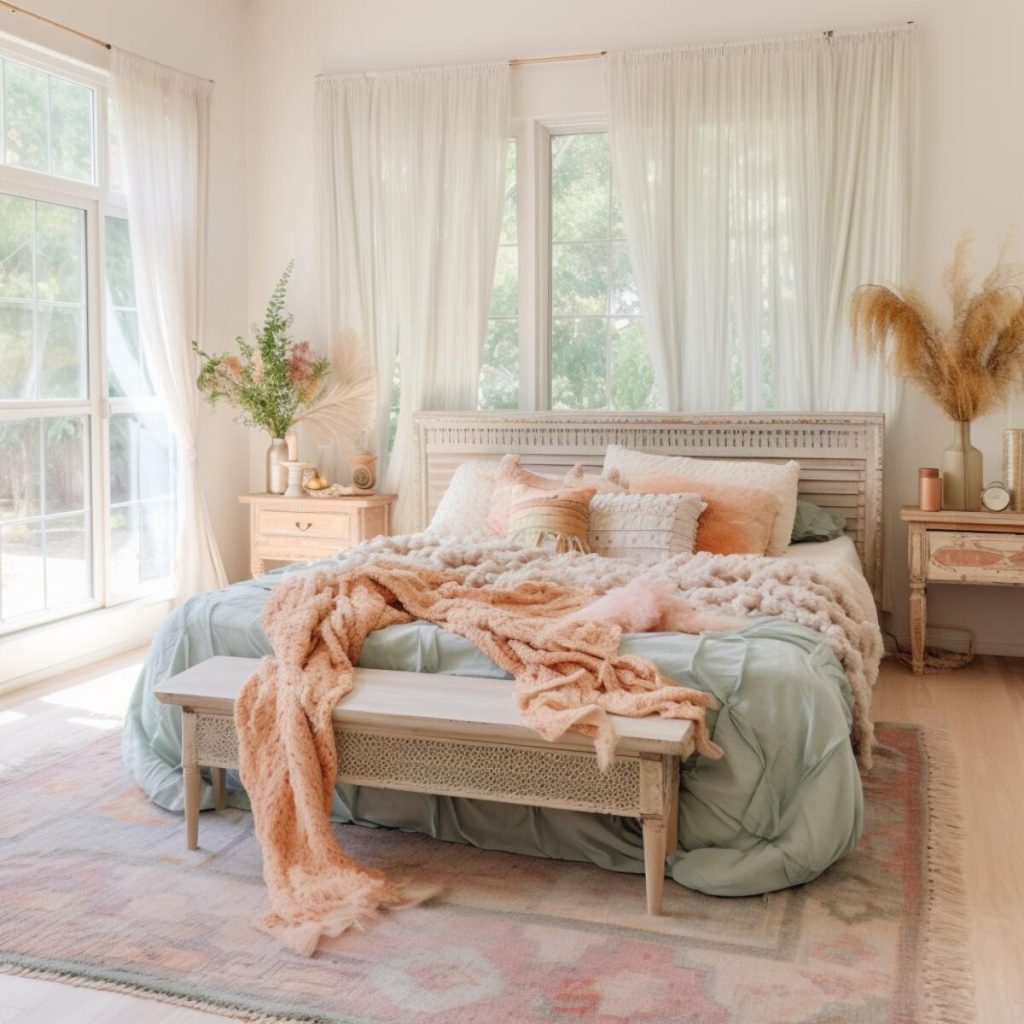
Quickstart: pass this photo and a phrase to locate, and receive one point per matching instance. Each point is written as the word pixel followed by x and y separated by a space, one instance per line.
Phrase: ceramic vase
pixel 961 471
pixel 277 475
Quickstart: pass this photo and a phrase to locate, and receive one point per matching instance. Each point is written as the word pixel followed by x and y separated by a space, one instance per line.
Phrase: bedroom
pixel 871 924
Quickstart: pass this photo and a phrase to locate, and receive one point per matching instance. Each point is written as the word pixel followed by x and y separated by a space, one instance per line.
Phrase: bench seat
pixel 452 736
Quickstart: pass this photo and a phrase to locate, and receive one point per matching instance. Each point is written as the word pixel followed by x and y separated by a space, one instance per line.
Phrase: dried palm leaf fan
pixel 348 408
pixel 967 367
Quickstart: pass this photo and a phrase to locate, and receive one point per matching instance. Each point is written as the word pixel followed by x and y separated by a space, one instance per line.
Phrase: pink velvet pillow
pixel 737 521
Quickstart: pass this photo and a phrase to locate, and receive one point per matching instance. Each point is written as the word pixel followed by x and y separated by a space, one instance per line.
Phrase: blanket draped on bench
pixel 569 676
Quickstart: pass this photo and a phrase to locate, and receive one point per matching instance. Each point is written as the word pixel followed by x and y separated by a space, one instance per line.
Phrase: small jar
pixel 929 489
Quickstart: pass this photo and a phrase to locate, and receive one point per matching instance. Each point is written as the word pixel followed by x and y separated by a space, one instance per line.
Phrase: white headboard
pixel 840 454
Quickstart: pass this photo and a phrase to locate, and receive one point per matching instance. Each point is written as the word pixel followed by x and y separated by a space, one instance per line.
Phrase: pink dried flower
pixel 233 367
pixel 258 368
pixel 300 363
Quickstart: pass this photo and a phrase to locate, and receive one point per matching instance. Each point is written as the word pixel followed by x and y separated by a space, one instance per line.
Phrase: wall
pixel 204 39
pixel 971 150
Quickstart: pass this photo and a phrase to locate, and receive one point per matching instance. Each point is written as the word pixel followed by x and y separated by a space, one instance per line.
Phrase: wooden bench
pixel 452 736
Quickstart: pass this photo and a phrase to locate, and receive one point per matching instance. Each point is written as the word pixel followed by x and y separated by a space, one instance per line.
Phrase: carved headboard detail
pixel 840 454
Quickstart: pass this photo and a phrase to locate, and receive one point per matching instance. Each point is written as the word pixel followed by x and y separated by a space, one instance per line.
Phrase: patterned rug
pixel 97 889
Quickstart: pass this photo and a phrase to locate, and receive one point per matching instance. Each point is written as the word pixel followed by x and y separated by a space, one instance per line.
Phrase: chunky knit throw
pixel 569 676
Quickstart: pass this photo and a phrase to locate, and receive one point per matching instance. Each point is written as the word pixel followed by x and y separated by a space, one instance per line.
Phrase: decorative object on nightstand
pixel 995 497
pixel 296 470
pixel 363 466
pixel 980 548
pixel 967 368
pixel 296 529
pixel 929 487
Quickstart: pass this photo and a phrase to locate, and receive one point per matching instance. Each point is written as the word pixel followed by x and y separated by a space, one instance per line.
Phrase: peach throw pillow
pixel 737 521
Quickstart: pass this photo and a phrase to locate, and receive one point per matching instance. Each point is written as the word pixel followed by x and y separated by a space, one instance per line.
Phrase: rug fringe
pixel 948 975
pixel 141 991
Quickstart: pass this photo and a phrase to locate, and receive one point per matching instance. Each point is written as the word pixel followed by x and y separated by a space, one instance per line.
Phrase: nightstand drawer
pixel 280 523
pixel 964 557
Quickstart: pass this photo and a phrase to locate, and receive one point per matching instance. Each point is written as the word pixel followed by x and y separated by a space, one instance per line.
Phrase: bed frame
pixel 840 454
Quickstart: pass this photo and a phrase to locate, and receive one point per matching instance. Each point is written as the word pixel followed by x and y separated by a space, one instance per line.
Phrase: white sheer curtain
pixel 760 182
pixel 410 188
pixel 163 116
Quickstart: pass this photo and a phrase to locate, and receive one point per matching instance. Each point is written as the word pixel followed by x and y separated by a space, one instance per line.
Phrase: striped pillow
pixel 644 528
pixel 557 520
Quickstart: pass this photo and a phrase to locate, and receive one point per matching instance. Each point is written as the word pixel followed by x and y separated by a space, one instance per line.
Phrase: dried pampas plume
pixel 349 405
pixel 969 366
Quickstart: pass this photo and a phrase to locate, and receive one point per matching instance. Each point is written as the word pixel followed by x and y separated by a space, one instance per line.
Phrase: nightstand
pixel 298 529
pixel 980 548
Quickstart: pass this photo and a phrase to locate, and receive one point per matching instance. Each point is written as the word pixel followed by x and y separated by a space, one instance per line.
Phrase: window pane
pixel 17 376
pixel 68 578
pixel 22 575
pixel 25 118
pixel 579 363
pixel 127 375
pixel 141 498
pixel 65 443
pixel 16 233
pixel 632 376
pixel 625 299
pixel 21 479
pixel 71 134
pixel 120 282
pixel 579 279
pixel 580 187
pixel 115 165
pixel 499 372
pixel 60 332
pixel 60 253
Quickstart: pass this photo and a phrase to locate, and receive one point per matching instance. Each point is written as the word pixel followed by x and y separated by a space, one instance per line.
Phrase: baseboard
pixel 940 638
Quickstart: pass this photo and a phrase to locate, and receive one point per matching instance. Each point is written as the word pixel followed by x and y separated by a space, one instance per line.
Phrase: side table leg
pixel 190 773
pixel 918 626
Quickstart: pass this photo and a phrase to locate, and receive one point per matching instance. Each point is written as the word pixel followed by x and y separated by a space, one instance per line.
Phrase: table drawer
pixel 964 557
pixel 280 523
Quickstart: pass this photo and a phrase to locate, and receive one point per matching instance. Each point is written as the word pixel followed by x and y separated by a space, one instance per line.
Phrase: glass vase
pixel 961 471
pixel 277 475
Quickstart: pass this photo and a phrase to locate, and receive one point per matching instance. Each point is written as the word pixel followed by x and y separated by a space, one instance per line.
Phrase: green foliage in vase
pixel 270 381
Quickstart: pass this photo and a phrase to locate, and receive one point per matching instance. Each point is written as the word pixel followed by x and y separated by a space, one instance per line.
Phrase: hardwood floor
pixel 981 706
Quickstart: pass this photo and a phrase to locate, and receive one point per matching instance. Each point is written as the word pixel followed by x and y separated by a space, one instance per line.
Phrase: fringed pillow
pixel 558 520
pixel 509 478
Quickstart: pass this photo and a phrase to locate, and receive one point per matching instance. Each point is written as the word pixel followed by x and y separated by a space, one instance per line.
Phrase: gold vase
pixel 961 471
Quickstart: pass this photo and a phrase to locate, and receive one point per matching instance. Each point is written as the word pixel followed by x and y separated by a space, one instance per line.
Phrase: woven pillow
pixel 605 484
pixel 737 520
pixel 557 519
pixel 512 475
pixel 462 510
pixel 782 479
pixel 644 528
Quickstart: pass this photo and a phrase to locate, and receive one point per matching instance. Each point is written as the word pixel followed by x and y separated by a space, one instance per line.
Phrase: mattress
pixel 841 550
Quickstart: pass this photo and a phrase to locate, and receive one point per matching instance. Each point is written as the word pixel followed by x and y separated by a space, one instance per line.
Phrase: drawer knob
pixel 299 526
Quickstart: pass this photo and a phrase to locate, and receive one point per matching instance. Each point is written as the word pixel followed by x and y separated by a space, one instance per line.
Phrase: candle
pixel 930 489
pixel 293 447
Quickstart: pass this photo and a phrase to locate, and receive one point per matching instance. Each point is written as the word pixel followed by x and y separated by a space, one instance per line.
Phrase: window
pixel 86 485
pixel 576 341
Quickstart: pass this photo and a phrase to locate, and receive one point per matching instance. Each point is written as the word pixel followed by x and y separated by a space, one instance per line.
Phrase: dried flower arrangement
pixel 968 367
pixel 269 382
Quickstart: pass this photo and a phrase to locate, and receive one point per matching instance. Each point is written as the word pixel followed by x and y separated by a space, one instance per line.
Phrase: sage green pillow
pixel 815 523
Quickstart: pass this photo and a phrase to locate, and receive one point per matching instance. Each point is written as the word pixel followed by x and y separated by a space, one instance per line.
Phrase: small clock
pixel 996 497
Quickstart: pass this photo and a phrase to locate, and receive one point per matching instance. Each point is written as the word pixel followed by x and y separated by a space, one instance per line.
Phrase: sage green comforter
pixel 782 805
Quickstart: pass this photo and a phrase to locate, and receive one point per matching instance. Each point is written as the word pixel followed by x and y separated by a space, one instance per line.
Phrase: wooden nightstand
pixel 981 548
pixel 297 529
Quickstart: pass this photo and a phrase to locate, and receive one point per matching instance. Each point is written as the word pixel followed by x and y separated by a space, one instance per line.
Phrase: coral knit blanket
pixel 569 676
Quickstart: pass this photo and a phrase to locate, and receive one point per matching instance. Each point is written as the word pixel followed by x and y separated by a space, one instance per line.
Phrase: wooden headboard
pixel 840 454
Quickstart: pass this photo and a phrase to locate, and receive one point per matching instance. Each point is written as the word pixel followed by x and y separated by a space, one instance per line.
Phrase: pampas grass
pixel 969 366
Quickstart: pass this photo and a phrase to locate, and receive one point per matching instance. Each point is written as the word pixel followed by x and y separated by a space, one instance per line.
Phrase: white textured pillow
pixel 644 528
pixel 781 479
pixel 464 505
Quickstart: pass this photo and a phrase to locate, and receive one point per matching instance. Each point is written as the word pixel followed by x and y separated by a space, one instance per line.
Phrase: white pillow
pixel 644 528
pixel 463 508
pixel 781 479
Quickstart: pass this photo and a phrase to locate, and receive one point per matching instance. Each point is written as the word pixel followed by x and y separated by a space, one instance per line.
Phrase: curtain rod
pixel 14 9
pixel 516 62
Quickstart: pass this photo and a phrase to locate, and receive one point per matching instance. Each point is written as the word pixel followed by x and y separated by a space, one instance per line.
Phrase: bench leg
pixel 654 861
pixel 656 794
pixel 672 799
pixel 190 773
pixel 220 791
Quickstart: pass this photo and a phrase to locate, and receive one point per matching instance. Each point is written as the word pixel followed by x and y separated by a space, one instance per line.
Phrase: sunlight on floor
pixel 105 694
pixel 10 716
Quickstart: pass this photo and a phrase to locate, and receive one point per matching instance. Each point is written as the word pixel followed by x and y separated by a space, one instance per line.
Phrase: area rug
pixel 97 889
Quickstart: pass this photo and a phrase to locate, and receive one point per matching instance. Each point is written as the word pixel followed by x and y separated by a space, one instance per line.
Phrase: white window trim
pixel 533 138
pixel 98 203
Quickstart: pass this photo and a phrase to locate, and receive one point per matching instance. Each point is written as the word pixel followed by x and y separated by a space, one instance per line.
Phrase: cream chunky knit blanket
pixel 569 676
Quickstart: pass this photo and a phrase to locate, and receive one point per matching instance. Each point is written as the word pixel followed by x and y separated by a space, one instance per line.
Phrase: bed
pixel 781 806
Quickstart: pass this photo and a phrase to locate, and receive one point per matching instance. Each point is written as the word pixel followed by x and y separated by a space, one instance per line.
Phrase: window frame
pixel 97 202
